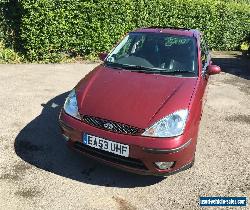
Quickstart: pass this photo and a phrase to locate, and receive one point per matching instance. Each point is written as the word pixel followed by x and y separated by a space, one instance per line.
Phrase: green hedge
pixel 2 22
pixel 51 29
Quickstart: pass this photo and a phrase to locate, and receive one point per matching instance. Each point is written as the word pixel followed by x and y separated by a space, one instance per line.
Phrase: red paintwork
pixel 102 56
pixel 213 69
pixel 140 100
pixel 110 89
pixel 184 32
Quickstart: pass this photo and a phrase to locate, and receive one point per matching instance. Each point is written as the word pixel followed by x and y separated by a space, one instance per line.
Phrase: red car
pixel 141 108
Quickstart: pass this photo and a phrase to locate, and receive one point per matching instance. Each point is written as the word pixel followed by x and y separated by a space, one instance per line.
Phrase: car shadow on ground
pixel 237 65
pixel 41 144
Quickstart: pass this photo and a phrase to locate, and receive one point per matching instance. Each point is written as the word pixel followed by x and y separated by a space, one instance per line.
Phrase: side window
pixel 204 53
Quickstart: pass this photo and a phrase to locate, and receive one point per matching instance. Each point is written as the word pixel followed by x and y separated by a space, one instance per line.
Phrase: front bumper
pixel 144 151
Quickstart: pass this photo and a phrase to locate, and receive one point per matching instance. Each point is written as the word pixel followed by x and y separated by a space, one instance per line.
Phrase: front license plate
pixel 106 145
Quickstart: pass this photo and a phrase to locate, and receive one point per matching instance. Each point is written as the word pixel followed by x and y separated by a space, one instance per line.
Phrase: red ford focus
pixel 140 109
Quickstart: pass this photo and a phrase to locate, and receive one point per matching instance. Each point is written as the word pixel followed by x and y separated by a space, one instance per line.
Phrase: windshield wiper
pixel 161 71
pixel 113 65
pixel 144 69
pixel 137 68
pixel 155 70
pixel 177 71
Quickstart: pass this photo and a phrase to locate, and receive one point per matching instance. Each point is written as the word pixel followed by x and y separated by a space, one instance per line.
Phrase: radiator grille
pixel 111 125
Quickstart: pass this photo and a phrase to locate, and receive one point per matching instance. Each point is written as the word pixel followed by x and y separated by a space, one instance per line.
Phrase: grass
pixel 8 55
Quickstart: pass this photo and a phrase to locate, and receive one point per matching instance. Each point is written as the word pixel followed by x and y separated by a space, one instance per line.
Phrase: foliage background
pixel 52 30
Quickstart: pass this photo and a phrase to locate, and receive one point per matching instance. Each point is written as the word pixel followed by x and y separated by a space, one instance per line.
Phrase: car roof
pixel 170 30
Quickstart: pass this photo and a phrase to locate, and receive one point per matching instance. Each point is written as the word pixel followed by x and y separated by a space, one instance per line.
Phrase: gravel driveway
pixel 37 170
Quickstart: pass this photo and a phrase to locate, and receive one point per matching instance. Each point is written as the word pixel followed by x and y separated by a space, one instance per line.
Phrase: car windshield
pixel 156 53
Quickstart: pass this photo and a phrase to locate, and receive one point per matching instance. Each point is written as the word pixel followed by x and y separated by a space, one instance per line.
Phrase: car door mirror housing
pixel 213 69
pixel 103 56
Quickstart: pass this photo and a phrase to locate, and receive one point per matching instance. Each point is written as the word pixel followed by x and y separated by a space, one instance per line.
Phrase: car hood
pixel 132 98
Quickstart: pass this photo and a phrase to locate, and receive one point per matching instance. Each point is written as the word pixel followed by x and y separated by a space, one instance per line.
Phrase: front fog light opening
pixel 164 165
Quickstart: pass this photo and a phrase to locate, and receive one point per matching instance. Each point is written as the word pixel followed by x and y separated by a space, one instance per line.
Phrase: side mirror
pixel 213 69
pixel 103 56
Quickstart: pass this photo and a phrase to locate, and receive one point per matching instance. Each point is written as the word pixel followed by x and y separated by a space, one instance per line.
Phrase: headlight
pixel 170 126
pixel 70 105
